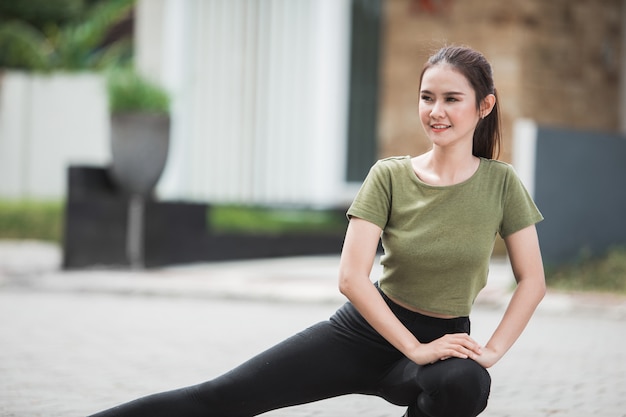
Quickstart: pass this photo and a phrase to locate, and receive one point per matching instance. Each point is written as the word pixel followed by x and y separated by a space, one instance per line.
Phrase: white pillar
pixel 525 152
pixel 332 59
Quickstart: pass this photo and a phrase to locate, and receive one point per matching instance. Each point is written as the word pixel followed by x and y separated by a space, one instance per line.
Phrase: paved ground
pixel 72 343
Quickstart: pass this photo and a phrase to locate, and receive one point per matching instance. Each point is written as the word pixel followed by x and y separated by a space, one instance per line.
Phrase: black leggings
pixel 343 355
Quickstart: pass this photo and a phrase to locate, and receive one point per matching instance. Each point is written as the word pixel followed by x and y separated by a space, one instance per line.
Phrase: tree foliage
pixel 34 38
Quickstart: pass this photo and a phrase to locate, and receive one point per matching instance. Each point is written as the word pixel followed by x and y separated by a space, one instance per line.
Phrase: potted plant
pixel 140 127
pixel 140 131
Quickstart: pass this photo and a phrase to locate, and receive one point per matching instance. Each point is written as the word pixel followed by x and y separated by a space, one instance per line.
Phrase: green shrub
pixel 605 274
pixel 31 220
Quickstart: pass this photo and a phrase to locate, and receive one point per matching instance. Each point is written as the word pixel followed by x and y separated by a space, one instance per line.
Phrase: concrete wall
pixel 46 123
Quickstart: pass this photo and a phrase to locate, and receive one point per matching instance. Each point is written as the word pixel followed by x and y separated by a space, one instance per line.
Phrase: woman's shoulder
pixel 500 173
pixel 497 166
pixel 390 168
pixel 392 163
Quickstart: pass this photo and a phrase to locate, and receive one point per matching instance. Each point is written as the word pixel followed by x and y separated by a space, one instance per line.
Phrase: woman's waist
pixel 404 311
pixel 419 310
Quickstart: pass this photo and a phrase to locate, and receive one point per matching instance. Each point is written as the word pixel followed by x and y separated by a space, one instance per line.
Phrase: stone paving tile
pixel 69 354
pixel 74 343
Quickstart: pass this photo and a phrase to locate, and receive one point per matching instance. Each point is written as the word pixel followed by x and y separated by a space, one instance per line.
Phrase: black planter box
pixel 96 218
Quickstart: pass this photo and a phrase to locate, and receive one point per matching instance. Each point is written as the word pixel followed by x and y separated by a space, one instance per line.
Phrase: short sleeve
pixel 373 201
pixel 519 209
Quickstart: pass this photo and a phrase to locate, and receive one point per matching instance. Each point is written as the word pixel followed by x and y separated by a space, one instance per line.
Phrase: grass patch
pixel 257 220
pixel 602 274
pixel 40 220
pixel 31 220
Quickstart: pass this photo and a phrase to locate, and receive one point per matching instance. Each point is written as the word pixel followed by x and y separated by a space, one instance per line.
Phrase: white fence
pixel 261 97
pixel 259 114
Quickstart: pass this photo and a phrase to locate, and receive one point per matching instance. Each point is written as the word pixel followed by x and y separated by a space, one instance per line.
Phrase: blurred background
pixel 287 103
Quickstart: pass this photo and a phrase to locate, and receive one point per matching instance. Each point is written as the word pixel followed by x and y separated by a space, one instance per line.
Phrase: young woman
pixel 406 338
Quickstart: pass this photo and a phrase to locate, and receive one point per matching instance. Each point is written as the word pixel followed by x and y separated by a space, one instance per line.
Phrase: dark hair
pixel 477 70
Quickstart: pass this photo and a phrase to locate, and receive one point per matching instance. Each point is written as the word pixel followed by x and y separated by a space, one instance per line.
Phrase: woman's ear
pixel 487 105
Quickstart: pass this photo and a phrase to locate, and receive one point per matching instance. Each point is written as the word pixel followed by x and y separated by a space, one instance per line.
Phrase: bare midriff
pixel 420 311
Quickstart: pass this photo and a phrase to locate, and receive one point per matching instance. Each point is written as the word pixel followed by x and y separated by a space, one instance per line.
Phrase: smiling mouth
pixel 439 127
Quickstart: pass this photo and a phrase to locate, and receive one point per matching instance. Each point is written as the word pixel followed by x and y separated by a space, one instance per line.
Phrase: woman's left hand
pixel 487 358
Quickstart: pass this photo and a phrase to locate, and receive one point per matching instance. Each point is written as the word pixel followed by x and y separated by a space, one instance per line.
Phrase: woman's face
pixel 447 107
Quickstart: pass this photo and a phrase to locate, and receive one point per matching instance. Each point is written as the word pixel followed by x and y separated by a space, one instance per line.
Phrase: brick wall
pixel 557 61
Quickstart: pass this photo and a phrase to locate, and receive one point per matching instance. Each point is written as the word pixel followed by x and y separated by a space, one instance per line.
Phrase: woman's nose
pixel 436 110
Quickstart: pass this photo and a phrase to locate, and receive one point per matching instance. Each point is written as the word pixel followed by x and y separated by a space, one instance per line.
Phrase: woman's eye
pixel 426 98
pixel 451 99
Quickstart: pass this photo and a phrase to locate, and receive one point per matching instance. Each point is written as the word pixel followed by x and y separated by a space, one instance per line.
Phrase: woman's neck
pixel 445 168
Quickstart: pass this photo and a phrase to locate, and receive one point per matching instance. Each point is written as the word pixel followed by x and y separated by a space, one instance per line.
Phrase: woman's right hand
pixel 456 345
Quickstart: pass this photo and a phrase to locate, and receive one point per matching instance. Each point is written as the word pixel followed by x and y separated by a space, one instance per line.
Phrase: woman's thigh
pixel 320 362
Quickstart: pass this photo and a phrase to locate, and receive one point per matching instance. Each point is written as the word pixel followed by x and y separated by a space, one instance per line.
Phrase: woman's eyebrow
pixel 448 93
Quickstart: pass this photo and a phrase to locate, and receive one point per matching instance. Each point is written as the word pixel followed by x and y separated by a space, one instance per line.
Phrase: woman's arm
pixel 525 256
pixel 357 258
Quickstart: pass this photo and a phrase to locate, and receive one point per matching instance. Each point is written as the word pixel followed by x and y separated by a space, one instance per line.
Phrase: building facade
pixel 558 62
pixel 291 101
pixel 285 101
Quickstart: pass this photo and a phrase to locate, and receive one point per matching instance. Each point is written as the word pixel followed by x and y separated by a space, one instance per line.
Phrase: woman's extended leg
pixel 320 362
pixel 340 356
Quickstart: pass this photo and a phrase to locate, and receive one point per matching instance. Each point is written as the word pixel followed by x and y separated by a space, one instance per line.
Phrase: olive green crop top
pixel 438 240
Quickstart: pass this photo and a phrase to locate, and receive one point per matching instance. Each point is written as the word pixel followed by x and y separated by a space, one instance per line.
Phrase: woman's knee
pixel 400 386
pixel 454 387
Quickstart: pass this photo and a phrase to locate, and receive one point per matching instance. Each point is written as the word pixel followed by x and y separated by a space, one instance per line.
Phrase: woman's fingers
pixel 470 344
pixel 459 345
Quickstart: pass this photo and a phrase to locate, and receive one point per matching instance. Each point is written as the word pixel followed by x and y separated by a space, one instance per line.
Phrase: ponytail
pixel 488 134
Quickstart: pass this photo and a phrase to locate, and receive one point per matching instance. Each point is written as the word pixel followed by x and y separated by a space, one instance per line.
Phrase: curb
pixel 35 266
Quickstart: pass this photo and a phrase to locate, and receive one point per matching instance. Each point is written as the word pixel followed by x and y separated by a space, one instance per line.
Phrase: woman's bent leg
pixel 452 388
